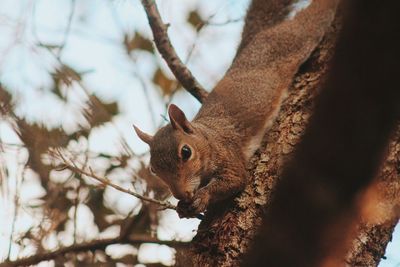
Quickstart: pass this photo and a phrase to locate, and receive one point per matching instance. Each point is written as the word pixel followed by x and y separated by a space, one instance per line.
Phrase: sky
pixel 93 46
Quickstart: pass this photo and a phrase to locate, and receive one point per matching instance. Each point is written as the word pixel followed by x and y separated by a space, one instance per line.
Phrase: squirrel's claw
pixel 199 205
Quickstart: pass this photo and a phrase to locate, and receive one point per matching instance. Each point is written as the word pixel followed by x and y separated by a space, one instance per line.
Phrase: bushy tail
pixel 263 14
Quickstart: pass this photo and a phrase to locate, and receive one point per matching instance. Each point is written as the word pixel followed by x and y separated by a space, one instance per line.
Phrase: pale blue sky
pixel 94 46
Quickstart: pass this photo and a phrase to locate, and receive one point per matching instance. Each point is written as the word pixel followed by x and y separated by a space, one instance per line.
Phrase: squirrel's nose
pixel 185 196
pixel 182 195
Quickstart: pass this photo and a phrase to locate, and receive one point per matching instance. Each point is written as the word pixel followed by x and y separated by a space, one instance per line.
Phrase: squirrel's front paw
pixel 200 201
pixel 195 207
pixel 184 209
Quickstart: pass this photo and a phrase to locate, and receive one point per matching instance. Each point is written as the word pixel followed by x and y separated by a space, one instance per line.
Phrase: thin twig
pixel 223 23
pixel 67 29
pixel 76 204
pixel 15 215
pixel 146 95
pixel 107 182
pixel 10 146
pixel 164 46
pixel 18 185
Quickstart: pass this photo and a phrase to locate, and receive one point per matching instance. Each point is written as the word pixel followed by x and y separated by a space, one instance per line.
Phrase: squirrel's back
pixel 248 99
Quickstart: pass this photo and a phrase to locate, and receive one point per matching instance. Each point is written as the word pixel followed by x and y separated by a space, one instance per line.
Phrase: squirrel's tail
pixel 263 14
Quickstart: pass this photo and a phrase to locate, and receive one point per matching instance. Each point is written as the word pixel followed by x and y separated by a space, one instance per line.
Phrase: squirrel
pixel 204 161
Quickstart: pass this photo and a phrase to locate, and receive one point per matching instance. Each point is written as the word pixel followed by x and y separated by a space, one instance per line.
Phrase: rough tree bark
pixel 225 233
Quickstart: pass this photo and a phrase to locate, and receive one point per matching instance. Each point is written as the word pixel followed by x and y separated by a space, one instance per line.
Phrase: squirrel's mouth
pixel 195 184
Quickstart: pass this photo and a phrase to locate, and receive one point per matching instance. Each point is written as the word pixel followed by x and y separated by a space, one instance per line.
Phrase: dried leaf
pixel 69 74
pixel 167 85
pixel 64 76
pixel 98 113
pixel 81 133
pixel 5 101
pixel 137 42
pixel 38 139
pixel 195 20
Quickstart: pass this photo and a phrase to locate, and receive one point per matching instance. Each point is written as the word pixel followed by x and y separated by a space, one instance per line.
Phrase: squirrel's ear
pixel 143 136
pixel 178 119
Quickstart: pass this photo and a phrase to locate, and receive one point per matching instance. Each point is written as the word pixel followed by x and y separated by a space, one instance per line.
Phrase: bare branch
pixel 100 244
pixel 164 46
pixel 107 182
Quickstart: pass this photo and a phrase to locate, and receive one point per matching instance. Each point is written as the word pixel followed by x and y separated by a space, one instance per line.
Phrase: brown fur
pixel 233 119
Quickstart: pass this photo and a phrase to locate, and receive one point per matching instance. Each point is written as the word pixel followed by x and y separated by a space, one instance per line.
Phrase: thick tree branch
pixel 100 244
pixel 164 46
pixel 310 220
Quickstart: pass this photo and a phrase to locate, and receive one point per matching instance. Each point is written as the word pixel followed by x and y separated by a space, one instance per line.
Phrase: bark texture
pixel 226 232
pixel 380 212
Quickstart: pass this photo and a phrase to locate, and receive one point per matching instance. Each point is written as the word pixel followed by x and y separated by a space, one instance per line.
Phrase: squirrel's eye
pixel 152 170
pixel 186 153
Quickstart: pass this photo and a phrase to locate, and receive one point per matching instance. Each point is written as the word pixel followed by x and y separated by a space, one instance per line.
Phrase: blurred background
pixel 75 75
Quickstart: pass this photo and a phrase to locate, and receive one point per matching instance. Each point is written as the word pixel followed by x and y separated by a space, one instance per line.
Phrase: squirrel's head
pixel 177 152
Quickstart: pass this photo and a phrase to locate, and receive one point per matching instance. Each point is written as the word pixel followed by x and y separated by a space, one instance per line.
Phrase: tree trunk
pixel 227 230
pixel 380 212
